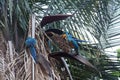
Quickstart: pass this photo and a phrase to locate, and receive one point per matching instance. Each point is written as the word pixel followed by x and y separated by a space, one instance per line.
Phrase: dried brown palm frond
pixel 18 66
pixel 59 41
pixel 2 55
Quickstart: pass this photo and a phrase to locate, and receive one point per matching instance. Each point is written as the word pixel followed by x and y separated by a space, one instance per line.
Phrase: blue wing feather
pixel 33 53
pixel 78 40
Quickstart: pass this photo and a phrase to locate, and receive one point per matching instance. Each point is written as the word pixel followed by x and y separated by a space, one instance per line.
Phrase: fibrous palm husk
pixel 19 65
pixel 62 43
pixel 2 56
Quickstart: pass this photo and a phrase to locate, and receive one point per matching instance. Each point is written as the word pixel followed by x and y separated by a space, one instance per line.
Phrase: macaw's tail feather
pixel 78 58
pixel 78 40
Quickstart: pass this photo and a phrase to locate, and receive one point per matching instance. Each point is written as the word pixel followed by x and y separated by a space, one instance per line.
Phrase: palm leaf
pixel 49 19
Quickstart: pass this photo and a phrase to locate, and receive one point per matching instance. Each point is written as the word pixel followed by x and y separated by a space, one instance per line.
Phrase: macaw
pixel 30 42
pixel 73 41
pixel 38 58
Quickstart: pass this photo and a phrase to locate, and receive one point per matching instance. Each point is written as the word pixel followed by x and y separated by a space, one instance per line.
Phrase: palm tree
pixel 92 20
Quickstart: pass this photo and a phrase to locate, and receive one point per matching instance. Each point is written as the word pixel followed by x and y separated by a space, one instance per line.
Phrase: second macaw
pixel 73 41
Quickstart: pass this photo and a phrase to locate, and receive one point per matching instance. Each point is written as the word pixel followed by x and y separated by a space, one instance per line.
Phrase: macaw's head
pixel 66 35
pixel 63 36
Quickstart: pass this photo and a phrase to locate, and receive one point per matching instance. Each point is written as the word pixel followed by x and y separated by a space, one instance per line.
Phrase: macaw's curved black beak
pixel 78 58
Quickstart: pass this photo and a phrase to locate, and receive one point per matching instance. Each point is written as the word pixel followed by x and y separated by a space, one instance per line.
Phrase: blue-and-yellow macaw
pixel 73 41
pixel 30 42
